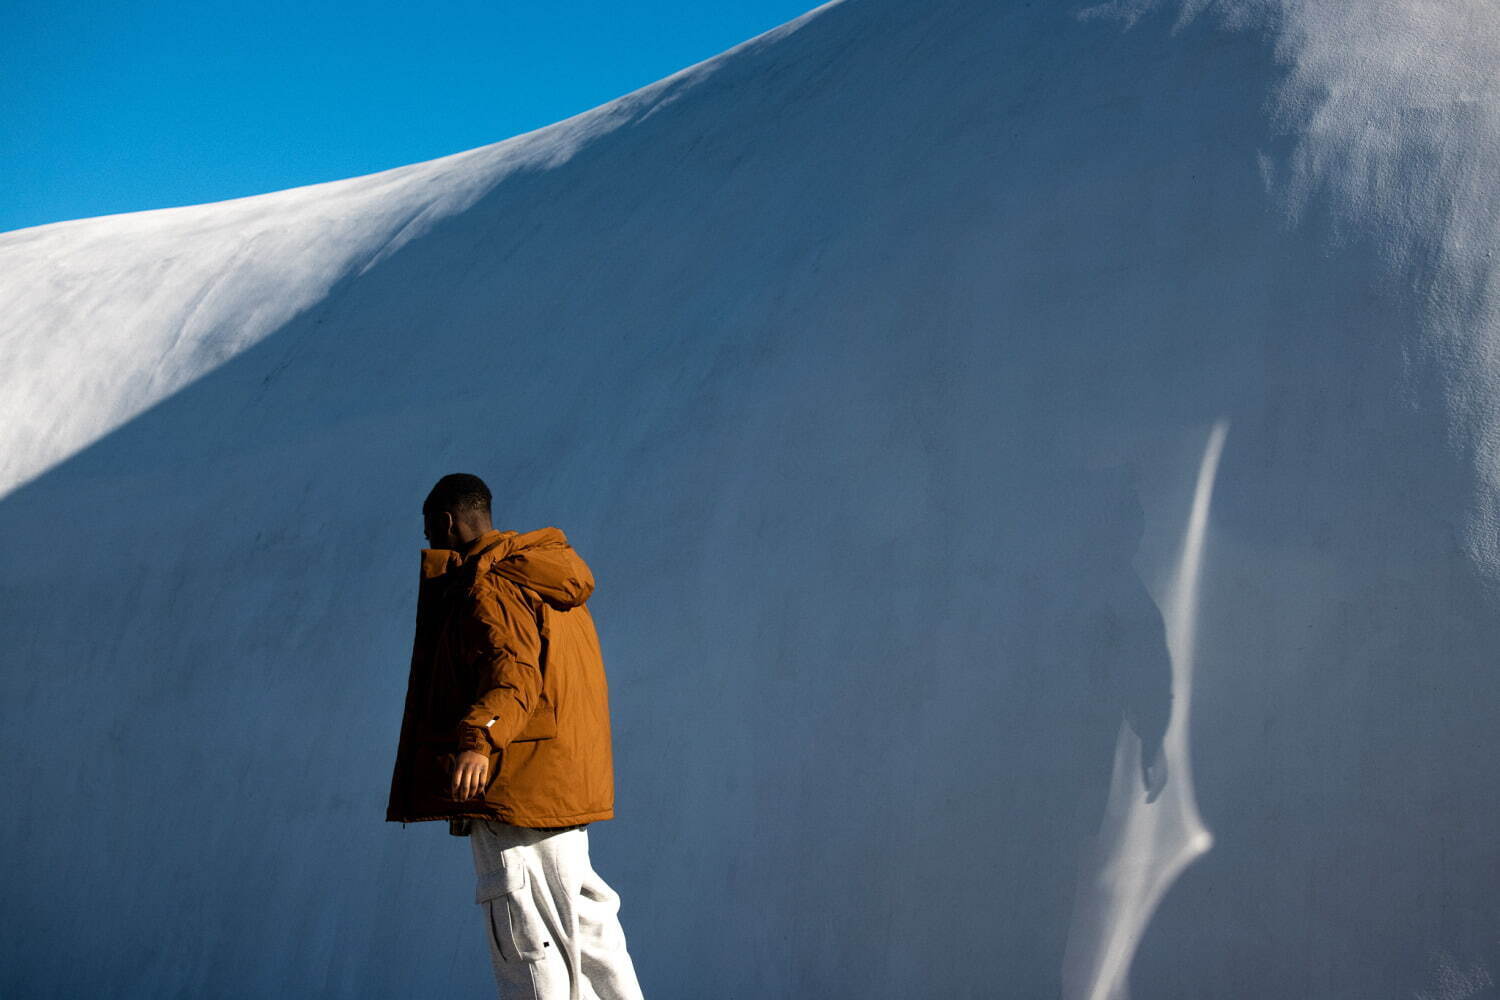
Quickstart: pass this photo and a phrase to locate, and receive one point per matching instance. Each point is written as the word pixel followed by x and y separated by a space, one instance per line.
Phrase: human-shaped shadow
pixel 1113 647
pixel 1127 645
pixel 1020 775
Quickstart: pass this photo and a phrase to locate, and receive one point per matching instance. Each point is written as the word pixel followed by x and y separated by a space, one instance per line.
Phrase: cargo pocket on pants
pixel 516 927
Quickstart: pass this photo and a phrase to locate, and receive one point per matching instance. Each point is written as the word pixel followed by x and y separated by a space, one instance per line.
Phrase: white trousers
pixel 552 922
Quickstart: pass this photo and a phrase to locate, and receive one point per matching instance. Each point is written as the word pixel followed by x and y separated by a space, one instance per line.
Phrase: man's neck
pixel 466 546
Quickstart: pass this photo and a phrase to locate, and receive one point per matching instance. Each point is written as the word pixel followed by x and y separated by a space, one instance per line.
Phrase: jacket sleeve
pixel 503 640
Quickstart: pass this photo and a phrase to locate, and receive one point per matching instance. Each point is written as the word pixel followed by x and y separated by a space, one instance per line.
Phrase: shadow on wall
pixel 1145 842
pixel 980 771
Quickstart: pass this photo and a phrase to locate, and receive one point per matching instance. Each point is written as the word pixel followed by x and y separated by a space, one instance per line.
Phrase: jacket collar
pixel 541 560
pixel 486 548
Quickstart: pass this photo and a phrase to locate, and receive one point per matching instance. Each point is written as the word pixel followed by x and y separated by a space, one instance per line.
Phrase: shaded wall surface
pixel 870 367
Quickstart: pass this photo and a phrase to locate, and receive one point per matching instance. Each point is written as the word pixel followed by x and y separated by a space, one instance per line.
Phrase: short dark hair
pixel 458 492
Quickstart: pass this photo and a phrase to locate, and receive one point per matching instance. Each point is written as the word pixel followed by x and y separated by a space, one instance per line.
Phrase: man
pixel 506 736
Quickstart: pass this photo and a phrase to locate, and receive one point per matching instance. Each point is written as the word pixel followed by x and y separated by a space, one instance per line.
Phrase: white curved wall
pixel 872 367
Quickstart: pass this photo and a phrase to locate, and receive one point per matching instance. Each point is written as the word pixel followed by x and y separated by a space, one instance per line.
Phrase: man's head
pixel 456 511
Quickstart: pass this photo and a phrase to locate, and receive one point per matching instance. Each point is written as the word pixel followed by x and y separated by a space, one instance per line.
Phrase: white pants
pixel 552 922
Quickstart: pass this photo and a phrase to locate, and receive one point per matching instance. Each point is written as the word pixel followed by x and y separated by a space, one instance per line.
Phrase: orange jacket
pixel 506 662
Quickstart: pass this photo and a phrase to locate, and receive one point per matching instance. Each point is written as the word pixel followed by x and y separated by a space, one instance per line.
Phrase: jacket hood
pixel 541 560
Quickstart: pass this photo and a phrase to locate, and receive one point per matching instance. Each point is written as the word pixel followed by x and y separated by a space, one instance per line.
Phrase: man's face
pixel 438 529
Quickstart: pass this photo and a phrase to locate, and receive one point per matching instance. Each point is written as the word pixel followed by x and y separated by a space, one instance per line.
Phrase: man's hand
pixel 469 775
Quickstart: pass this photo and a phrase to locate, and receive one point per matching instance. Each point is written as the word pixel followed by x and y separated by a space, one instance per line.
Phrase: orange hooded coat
pixel 506 662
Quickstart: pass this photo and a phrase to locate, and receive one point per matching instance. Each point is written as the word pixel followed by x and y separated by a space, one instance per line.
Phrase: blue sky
pixel 120 106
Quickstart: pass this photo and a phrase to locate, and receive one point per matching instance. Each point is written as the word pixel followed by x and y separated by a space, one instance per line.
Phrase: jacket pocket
pixel 543 722
pixel 515 924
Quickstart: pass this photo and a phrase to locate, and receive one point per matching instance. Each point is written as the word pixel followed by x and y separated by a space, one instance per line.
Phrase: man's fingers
pixel 471 780
pixel 468 779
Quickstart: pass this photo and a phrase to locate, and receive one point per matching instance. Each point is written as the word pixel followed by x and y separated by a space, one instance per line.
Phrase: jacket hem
pixel 512 819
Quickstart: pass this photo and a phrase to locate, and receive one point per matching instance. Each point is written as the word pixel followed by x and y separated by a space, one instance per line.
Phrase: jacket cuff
pixel 473 738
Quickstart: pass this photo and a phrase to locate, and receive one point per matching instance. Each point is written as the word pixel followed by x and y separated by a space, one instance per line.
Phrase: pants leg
pixel 552 922
pixel 607 971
